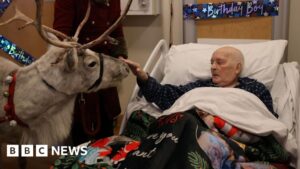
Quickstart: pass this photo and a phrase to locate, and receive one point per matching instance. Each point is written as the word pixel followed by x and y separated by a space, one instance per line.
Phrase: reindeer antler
pixel 86 17
pixel 72 41
pixel 105 36
pixel 41 28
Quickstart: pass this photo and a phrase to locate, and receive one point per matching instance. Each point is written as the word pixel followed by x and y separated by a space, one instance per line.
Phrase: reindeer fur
pixel 47 107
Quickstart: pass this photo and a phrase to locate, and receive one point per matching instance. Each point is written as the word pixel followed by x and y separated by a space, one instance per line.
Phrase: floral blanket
pixel 177 141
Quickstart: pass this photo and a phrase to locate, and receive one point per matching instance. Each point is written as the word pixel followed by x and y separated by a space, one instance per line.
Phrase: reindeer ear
pixel 52 36
pixel 71 60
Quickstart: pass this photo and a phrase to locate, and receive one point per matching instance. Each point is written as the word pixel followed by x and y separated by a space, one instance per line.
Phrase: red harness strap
pixel 9 108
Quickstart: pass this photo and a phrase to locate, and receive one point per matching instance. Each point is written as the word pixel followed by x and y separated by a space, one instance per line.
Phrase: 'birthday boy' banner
pixel 231 9
pixel 3 5
pixel 9 47
pixel 15 52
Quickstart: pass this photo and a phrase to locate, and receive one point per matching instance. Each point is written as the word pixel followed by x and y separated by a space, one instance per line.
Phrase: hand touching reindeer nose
pixel 136 69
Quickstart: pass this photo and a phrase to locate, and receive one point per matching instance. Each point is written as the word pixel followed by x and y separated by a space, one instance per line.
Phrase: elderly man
pixel 226 66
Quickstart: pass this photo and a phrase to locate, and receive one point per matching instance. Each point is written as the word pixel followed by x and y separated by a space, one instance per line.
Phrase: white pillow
pixel 189 62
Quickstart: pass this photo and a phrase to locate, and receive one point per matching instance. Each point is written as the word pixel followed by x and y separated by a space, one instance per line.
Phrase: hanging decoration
pixel 9 47
pixel 4 5
pixel 233 9
pixel 15 52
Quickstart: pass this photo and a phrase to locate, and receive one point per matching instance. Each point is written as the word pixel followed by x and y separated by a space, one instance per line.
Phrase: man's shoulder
pixel 252 82
pixel 205 82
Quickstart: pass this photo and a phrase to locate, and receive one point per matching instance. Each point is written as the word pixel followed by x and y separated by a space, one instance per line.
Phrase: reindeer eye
pixel 92 64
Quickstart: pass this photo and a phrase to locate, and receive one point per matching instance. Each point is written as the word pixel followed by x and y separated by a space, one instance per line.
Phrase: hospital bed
pixel 264 61
pixel 184 63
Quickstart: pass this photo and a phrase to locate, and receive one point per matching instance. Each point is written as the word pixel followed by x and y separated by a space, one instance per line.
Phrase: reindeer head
pixel 75 70
pixel 70 67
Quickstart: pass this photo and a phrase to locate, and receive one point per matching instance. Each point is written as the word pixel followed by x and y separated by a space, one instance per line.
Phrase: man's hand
pixel 136 69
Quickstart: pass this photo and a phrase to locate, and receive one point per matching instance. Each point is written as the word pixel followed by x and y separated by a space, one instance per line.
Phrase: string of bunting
pixel 4 5
pixel 9 47
pixel 234 9
pixel 15 52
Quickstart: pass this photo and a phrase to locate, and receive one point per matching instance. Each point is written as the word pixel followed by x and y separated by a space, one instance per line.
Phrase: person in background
pixel 226 66
pixel 94 113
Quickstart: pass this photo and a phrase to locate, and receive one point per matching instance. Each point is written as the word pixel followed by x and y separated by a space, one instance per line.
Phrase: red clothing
pixel 93 117
pixel 69 13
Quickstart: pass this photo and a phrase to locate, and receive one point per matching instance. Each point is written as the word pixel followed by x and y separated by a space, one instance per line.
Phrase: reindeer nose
pixel 125 69
pixel 122 72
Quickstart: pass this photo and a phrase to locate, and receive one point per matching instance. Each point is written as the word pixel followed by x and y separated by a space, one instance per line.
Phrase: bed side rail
pixel 154 66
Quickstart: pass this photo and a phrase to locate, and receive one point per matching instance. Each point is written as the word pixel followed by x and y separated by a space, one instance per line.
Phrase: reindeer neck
pixel 44 110
pixel 33 96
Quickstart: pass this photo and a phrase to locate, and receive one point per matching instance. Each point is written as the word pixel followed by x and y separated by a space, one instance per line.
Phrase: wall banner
pixel 9 47
pixel 251 8
pixel 15 52
pixel 3 5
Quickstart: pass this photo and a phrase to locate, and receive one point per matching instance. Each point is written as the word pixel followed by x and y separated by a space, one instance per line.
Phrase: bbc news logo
pixel 43 150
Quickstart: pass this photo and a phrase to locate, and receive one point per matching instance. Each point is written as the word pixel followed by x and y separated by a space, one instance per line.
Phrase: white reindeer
pixel 39 104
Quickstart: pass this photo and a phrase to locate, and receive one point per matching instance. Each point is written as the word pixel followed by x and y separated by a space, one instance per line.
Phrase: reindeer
pixel 37 101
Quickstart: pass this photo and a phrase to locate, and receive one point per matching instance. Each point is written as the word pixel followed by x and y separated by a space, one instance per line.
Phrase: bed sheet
pixel 285 93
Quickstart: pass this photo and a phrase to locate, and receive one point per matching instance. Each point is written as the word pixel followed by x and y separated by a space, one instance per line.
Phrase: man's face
pixel 224 69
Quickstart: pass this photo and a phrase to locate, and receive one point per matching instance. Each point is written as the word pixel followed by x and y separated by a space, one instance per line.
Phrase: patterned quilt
pixel 177 141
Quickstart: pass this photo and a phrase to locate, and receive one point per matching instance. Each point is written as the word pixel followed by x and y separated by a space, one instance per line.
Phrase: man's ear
pixel 238 68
